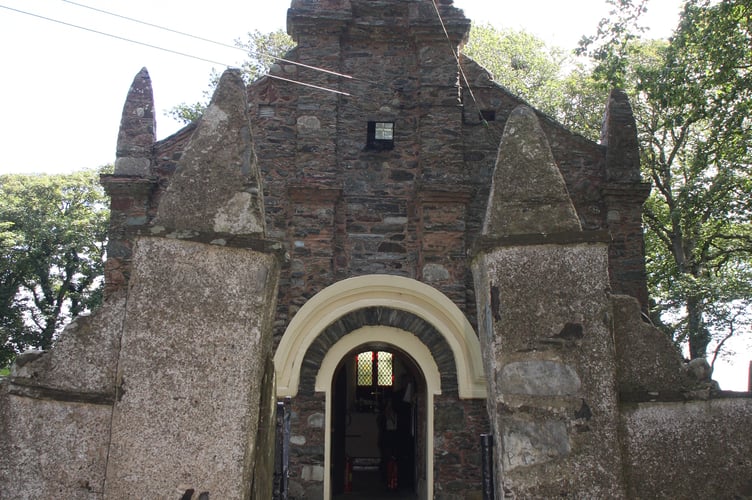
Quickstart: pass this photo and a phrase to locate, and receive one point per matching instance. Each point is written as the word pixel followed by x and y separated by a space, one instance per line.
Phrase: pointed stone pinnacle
pixel 138 129
pixel 619 135
pixel 528 194
pixel 217 186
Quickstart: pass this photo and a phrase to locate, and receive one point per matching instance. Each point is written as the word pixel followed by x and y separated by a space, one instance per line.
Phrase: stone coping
pixel 626 398
pixel 249 242
pixel 489 243
pixel 20 386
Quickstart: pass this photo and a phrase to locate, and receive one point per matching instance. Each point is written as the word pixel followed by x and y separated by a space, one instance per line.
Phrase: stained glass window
pixel 365 368
pixel 384 369
pixel 374 366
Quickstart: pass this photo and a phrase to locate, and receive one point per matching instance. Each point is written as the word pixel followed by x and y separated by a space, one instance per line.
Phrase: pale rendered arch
pixel 380 290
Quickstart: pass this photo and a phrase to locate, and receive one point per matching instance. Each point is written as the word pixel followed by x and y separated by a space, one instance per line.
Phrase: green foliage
pixel 548 78
pixel 692 97
pixel 263 50
pixel 613 44
pixel 189 113
pixel 53 230
pixel 521 62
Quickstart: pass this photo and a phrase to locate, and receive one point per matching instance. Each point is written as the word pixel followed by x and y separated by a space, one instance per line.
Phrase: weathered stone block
pixel 196 337
pixel 52 449
pixel 527 443
pixel 83 359
pixel 539 378
pixel 217 187
pixel 698 449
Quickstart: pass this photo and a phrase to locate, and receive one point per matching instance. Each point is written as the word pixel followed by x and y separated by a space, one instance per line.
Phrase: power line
pixel 163 28
pixel 457 58
pixel 257 54
pixel 275 77
pixel 221 44
pixel 156 47
pixel 117 37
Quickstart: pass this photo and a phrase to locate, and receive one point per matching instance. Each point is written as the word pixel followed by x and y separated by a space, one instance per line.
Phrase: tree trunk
pixel 698 333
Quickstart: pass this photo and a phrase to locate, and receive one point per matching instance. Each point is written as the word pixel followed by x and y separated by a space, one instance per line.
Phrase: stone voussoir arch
pixel 395 292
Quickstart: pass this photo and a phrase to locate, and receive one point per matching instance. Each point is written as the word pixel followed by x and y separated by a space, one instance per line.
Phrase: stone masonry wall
pixel 693 449
pixel 547 346
pixel 167 390
pixel 414 210
pixel 342 209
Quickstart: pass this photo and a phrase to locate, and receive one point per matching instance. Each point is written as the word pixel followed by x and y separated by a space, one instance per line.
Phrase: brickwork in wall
pixel 415 210
pixel 342 209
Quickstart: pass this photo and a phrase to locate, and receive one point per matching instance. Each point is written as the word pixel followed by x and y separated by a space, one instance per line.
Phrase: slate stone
pixel 620 135
pixel 138 129
pixel 530 443
pixel 539 378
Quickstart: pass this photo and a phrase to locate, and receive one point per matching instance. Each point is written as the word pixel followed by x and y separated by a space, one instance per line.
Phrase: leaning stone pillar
pixel 193 374
pixel 543 308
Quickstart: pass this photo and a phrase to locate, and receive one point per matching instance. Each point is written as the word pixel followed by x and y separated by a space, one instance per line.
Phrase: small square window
pixel 265 111
pixel 488 115
pixel 384 131
pixel 380 135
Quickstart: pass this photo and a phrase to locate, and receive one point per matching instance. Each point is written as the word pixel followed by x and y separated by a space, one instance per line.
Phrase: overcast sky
pixel 63 87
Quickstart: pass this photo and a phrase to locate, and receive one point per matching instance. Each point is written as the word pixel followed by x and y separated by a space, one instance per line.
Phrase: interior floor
pixel 370 485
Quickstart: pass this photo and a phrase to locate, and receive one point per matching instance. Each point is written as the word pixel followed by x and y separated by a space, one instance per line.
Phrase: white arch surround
pixel 407 343
pixel 383 290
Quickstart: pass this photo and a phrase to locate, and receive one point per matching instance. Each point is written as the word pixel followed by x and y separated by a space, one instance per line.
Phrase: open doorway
pixel 378 425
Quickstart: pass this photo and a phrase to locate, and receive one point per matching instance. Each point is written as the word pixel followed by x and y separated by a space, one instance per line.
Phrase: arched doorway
pixel 378 424
pixel 416 365
pixel 395 313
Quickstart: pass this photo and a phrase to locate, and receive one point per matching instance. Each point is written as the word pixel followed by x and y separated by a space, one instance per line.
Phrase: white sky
pixel 63 88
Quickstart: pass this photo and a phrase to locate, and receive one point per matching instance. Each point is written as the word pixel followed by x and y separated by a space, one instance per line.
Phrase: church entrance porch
pixel 433 350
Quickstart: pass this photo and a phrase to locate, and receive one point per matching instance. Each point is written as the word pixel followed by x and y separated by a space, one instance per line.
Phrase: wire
pixel 457 58
pixel 191 56
pixel 117 37
pixel 221 44
pixel 308 85
pixel 156 47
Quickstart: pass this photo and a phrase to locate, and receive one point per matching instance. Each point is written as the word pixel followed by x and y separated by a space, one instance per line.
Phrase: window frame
pixel 373 142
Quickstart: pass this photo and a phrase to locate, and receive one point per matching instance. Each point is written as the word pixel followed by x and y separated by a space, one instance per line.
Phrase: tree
pixel 263 50
pixel 547 77
pixel 614 43
pixel 53 231
pixel 692 97
pixel 189 113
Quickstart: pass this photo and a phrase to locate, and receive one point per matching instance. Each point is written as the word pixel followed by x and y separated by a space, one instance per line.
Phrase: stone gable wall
pixel 341 209
pixel 156 393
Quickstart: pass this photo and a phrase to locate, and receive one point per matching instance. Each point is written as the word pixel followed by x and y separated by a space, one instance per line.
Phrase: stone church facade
pixel 407 254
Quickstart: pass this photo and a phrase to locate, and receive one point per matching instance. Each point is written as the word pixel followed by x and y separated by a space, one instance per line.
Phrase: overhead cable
pixel 156 47
pixel 456 58
pixel 275 77
pixel 117 37
pixel 221 44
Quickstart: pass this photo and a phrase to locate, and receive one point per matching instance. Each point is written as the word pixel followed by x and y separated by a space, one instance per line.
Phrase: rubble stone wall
pixel 692 449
